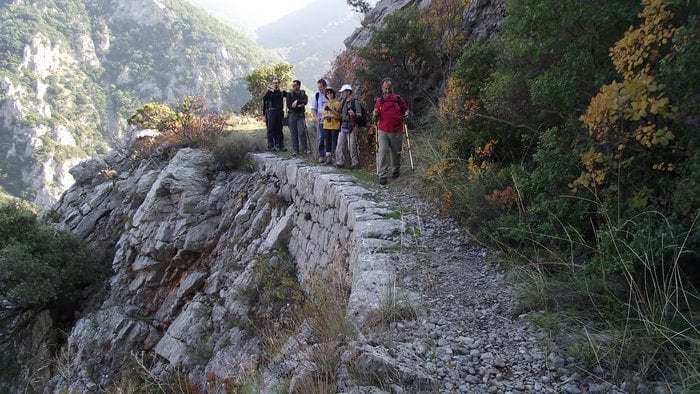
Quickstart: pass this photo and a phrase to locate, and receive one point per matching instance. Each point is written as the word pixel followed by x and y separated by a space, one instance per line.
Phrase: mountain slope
pixel 72 71
pixel 311 37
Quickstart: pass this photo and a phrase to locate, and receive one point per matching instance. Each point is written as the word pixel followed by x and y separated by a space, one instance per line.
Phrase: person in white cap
pixel 350 110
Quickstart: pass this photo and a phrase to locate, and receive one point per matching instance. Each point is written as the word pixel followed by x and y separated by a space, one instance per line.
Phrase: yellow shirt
pixel 331 117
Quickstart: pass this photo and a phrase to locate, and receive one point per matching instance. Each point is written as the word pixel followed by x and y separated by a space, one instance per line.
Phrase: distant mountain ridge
pixel 311 37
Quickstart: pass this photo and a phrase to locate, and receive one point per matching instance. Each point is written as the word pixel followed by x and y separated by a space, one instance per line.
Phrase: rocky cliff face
pixel 186 245
pixel 482 19
pixel 72 72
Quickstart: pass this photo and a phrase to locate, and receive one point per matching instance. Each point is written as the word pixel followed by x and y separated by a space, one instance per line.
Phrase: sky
pixel 249 15
pixel 261 12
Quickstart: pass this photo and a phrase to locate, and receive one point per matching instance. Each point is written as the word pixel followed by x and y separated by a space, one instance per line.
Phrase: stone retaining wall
pixel 338 231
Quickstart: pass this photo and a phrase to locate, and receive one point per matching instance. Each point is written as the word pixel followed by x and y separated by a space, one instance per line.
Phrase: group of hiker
pixel 339 118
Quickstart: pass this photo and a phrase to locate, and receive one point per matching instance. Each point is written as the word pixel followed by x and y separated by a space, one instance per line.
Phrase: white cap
pixel 344 88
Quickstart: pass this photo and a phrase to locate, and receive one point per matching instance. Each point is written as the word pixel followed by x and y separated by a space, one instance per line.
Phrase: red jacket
pixel 390 108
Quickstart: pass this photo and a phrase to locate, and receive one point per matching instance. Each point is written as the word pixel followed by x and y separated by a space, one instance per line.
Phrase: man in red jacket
pixel 390 109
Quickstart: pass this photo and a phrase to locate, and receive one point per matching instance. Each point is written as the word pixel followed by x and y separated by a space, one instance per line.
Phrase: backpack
pixel 398 100
pixel 360 120
pixel 392 111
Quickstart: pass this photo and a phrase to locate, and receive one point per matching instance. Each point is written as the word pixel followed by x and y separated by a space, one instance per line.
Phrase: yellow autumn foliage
pixel 630 113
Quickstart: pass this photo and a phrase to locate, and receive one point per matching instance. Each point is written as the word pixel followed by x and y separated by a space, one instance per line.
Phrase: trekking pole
pixel 408 144
pixel 376 142
pixel 306 133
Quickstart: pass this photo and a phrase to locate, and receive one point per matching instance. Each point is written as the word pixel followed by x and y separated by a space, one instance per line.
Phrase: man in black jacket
pixel 273 108
pixel 296 105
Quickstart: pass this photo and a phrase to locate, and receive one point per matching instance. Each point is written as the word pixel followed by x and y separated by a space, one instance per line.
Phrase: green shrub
pixel 191 124
pixel 230 150
pixel 151 116
pixel 41 266
pixel 17 219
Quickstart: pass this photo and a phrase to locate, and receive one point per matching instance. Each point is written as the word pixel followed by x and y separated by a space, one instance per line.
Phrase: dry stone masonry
pixel 335 230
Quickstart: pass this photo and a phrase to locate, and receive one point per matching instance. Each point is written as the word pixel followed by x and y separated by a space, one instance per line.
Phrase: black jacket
pixel 301 99
pixel 274 101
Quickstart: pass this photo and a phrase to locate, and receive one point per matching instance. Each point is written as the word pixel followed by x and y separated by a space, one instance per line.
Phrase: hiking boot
pixel 339 165
pixel 396 174
pixel 382 181
pixel 329 160
pixel 283 149
pixel 321 159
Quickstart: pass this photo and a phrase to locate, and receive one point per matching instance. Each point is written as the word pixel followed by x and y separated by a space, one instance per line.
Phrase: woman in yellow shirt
pixel 331 123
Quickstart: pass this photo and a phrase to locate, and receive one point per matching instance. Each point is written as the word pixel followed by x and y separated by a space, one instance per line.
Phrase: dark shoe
pixel 283 149
pixel 396 174
pixel 382 181
pixel 339 165
pixel 294 154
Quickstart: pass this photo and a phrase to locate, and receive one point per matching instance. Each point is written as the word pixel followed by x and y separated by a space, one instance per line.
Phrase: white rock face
pixel 86 51
pixel 144 12
pixel 62 136
pixel 41 57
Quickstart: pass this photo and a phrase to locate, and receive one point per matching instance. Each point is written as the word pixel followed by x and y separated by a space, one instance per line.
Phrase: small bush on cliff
pixel 41 267
pixel 229 152
pixel 191 124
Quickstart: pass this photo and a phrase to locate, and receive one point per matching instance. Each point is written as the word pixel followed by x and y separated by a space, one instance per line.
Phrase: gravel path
pixel 467 335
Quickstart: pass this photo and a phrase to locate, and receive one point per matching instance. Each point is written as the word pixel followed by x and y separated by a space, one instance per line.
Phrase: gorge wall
pixel 185 242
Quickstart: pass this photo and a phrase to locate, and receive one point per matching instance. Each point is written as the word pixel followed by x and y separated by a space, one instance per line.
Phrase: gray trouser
pixel 389 151
pixel 351 141
pixel 297 130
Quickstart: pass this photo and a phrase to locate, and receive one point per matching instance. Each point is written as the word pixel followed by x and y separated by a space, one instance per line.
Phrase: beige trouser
pixel 389 153
pixel 351 141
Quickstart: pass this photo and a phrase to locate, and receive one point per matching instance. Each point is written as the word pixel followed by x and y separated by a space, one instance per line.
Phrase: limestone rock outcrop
pixel 185 242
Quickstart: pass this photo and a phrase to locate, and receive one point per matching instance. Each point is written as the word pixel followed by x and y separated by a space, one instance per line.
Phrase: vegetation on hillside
pixel 570 142
pixel 105 65
pixel 42 271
